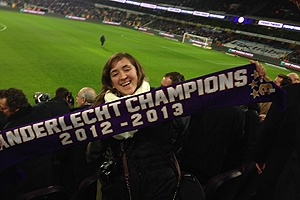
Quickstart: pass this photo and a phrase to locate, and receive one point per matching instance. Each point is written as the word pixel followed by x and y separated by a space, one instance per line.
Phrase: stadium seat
pixel 49 193
pixel 223 186
pixel 87 189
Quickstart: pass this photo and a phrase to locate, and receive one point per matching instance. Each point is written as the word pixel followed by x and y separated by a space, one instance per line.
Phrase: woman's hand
pixel 259 68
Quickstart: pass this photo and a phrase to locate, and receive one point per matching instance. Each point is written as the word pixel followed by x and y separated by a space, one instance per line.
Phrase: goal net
pixel 197 40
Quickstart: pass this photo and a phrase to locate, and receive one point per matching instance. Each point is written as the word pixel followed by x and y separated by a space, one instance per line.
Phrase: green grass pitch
pixel 42 53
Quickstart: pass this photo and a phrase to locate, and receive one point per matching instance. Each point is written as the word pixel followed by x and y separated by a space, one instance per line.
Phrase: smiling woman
pixel 2 27
pixel 152 176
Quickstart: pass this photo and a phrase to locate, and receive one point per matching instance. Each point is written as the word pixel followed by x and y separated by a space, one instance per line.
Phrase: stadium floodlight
pixel 197 40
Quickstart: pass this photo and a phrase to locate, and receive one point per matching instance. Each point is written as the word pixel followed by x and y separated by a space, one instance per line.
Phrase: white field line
pixel 216 63
pixel 2 27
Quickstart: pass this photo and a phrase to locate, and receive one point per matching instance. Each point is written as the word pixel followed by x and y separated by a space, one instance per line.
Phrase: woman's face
pixel 124 77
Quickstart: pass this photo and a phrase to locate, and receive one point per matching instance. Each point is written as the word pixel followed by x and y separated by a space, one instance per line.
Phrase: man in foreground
pixel 34 173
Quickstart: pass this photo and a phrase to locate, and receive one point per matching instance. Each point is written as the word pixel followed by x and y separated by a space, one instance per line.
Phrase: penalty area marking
pixel 2 27
pixel 216 63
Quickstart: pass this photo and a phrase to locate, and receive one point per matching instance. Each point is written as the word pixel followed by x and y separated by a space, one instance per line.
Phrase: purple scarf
pixel 235 86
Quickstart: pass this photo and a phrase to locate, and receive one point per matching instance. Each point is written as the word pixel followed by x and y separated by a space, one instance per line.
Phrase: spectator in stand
pixel 74 166
pixel 37 170
pixel 277 141
pixel 171 77
pixel 180 124
pixel 70 100
pixel 215 142
pixel 252 129
pixel 287 186
pixel 280 80
pixel 294 77
pixel 3 121
pixel 85 98
pixel 59 104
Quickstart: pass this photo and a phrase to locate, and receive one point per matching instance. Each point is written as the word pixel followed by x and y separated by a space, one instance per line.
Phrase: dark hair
pixel 62 92
pixel 15 98
pixel 106 80
pixel 176 77
pixel 286 80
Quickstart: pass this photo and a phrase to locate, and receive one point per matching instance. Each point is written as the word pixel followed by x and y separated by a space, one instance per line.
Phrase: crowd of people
pixel 206 143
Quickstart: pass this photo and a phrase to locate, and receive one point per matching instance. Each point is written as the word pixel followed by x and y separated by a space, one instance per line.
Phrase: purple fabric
pixel 235 86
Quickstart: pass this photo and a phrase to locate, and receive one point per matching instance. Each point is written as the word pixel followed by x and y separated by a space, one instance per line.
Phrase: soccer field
pixel 42 53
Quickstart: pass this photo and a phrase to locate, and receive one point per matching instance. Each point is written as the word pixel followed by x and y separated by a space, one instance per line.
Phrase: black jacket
pixel 36 171
pixel 3 120
pixel 80 108
pixel 277 141
pixel 73 164
pixel 152 173
pixel 57 106
pixel 215 142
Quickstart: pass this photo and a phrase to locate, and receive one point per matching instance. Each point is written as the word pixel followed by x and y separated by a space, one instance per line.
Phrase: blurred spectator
pixel 74 166
pixel 85 98
pixel 37 170
pixel 282 80
pixel 215 142
pixel 277 141
pixel 294 77
pixel 181 124
pixel 59 104
pixel 3 120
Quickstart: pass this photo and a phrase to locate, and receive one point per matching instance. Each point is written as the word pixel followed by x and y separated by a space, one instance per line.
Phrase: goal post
pixel 197 40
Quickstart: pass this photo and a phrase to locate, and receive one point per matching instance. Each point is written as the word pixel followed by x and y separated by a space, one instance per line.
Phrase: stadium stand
pixel 258 48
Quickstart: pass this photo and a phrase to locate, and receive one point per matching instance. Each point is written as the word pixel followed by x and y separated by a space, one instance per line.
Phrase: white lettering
pixel 128 103
pixel 160 97
pixel 27 133
pixel 226 82
pixel 63 125
pixel 76 120
pixel 102 113
pixel 189 87
pixel 39 129
pixel 51 126
pixel 146 100
pixel 175 92
pixel 211 84
pixel 241 77
pixel 12 138
pixel 115 108
pixel 86 118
